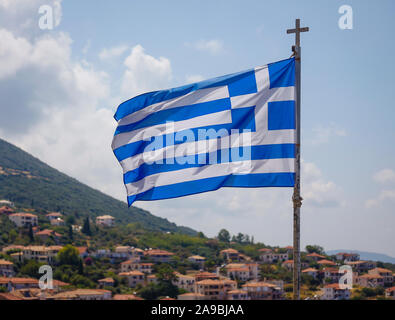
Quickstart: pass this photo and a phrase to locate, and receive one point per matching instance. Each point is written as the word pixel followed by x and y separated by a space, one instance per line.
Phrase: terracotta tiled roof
pixel 126 297
pixel 54 214
pixel 258 284
pixel 106 280
pixel 9 296
pixel 381 270
pixel 371 276
pixel 131 273
pixel 229 250
pixel 22 214
pixel 392 289
pixel 314 254
pixel 264 250
pixel 154 252
pixel 5 263
pixel 4 280
pixel 326 262
pixel 310 270
pixel 197 257
pixel 334 286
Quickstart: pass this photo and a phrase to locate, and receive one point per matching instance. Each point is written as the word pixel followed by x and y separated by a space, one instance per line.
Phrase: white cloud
pixel 213 46
pixel 145 73
pixel 383 196
pixel 21 16
pixel 194 78
pixel 323 133
pixel 111 53
pixel 316 191
pixel 385 175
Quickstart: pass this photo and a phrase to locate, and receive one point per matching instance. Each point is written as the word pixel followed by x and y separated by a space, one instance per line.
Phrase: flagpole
pixel 296 198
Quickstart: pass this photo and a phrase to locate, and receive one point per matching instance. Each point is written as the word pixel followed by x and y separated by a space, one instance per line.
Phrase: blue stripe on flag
pixel 281 179
pixel 146 99
pixel 281 115
pixel 274 151
pixel 242 119
pixel 282 73
pixel 177 114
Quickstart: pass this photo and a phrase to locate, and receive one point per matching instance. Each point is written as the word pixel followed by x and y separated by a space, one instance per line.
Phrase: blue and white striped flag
pixel 236 130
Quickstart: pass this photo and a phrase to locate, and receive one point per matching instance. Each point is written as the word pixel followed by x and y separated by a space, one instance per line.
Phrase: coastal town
pixel 129 272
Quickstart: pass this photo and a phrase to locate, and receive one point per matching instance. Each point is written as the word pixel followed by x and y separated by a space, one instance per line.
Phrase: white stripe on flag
pixel 198 96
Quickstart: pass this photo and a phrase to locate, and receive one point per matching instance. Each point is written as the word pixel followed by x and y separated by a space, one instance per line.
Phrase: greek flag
pixel 236 130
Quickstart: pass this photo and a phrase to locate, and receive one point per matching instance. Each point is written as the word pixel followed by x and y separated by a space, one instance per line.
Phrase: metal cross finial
pixel 297 32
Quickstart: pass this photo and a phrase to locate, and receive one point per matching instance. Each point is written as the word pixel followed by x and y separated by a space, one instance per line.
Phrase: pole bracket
pixel 297 200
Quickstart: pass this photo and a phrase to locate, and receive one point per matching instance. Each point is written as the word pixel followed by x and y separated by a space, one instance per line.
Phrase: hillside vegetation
pixel 30 183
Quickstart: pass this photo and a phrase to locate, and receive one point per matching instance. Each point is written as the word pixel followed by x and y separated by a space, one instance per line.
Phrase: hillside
pixel 30 183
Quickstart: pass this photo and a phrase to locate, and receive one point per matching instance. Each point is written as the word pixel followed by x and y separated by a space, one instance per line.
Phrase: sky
pixel 59 89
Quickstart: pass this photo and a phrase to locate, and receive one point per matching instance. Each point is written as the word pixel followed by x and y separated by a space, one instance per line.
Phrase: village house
pixel 18 283
pixel 205 276
pixel 134 277
pixel 268 256
pixel 45 234
pixel 83 252
pixel 385 273
pixel 289 264
pixel 83 294
pixel 315 256
pixel 390 293
pixel 263 291
pixel 230 254
pixel 335 292
pixel 215 289
pixel 6 268
pixel 6 210
pixel 151 278
pixel 191 296
pixel 57 222
pixel 159 255
pixel 106 282
pixel 129 265
pixel 361 266
pixel 347 257
pixel 197 260
pixel 242 271
pixel 7 203
pixel 185 282
pixel 311 272
pixel 326 262
pixel 106 221
pixel 370 280
pixel 41 253
pixel 331 275
pixel 137 253
pixel 53 216
pixel 24 219
pixel 238 294
pixel 123 252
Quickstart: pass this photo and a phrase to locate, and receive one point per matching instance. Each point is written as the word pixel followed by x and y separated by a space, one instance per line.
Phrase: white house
pixel 106 220
pixel 334 292
pixel 24 219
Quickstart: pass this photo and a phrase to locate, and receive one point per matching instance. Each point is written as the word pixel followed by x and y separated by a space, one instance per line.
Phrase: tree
pixel 224 235
pixel 70 220
pixel 69 255
pixel 31 268
pixel 166 273
pixel 315 248
pixel 86 228
pixel 70 232
pixel 31 235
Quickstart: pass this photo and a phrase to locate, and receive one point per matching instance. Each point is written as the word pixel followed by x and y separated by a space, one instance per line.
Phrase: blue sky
pixel 99 53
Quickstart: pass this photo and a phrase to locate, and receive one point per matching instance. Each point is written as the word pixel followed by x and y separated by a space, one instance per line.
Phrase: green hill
pixel 30 183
